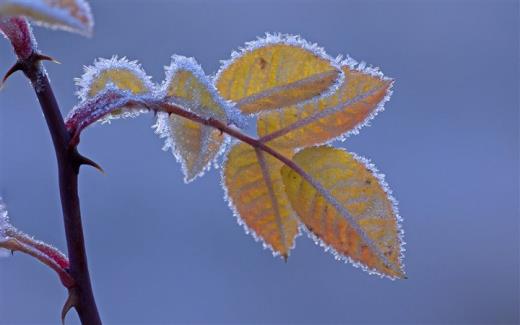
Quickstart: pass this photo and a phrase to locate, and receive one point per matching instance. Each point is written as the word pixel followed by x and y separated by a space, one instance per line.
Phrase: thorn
pixel 16 67
pixel 43 57
pixel 69 303
pixel 82 160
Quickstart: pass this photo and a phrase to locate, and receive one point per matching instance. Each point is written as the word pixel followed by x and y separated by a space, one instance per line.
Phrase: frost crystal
pixel 92 74
pixel 375 72
pixel 182 63
pixel 4 226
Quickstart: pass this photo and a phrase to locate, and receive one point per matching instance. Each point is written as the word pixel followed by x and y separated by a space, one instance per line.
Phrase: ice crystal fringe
pixel 292 40
pixel 182 63
pixel 374 72
pixel 4 225
pixel 84 83
pixel 382 182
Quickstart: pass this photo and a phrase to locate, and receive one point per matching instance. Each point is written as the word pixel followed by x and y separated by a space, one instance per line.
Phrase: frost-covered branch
pixel 11 239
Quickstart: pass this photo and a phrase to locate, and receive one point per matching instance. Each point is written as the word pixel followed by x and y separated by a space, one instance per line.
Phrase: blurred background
pixel 161 251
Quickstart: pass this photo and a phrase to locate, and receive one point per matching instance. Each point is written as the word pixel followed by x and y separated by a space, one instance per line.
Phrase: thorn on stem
pixel 82 160
pixel 16 67
pixel 69 303
pixel 42 57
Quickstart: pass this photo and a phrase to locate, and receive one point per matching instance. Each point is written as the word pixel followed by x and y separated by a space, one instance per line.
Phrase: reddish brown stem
pixel 68 167
pixel 255 143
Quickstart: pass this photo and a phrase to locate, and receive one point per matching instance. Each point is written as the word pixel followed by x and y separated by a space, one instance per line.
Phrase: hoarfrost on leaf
pixel 346 205
pixel 255 192
pixel 281 181
pixel 268 74
pixel 111 74
pixel 194 145
pixel 357 101
pixel 121 72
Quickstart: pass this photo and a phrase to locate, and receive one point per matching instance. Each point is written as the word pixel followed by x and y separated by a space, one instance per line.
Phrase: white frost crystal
pixel 4 225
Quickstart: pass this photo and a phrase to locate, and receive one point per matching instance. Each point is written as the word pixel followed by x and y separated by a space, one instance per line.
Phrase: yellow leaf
pixel 352 105
pixel 254 186
pixel 345 204
pixel 193 144
pixel 275 72
pixel 122 73
pixel 70 15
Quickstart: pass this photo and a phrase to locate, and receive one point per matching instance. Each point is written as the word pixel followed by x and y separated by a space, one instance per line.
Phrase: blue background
pixel 161 251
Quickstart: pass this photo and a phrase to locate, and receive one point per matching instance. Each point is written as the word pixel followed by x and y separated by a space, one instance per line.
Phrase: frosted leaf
pixel 69 15
pixel 345 203
pixel 276 71
pixel 254 190
pixel 358 100
pixel 18 31
pixel 194 145
pixel 118 73
pixel 121 72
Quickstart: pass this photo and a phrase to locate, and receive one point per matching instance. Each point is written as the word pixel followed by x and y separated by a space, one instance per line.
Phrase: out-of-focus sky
pixel 161 251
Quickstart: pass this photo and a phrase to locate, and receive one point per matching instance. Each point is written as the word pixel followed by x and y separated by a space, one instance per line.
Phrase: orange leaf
pixel 352 105
pixel 345 204
pixel 255 189
pixel 276 71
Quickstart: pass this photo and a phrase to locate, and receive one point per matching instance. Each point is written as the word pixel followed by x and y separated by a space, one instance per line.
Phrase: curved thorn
pixel 82 160
pixel 43 57
pixel 16 67
pixel 69 303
